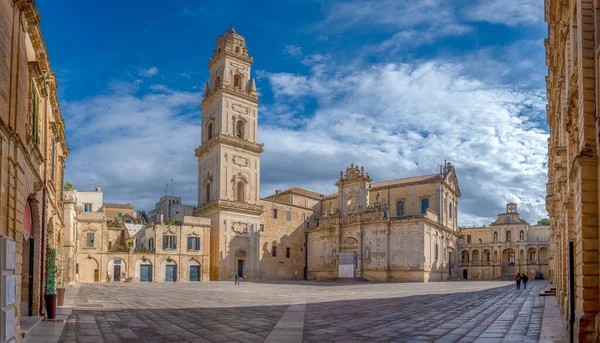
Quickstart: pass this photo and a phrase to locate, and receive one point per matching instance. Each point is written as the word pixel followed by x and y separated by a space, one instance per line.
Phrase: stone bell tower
pixel 229 160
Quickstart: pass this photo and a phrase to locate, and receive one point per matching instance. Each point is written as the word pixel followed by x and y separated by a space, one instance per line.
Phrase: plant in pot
pixel 50 286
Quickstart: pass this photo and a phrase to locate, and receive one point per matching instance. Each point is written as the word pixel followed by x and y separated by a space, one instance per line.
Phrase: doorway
pixel 450 264
pixel 171 273
pixel 194 273
pixel 240 270
pixel 117 272
pixel 465 274
pixel 146 273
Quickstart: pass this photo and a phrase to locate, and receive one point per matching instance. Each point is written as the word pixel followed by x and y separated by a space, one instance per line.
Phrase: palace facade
pixel 402 229
pixel 573 60
pixel 32 159
pixel 506 247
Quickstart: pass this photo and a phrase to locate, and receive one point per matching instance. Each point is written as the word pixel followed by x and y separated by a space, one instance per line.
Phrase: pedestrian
pixel 524 278
pixel 518 278
pixel 236 282
pixel 295 274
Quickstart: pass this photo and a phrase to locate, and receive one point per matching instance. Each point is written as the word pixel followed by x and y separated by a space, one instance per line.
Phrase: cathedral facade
pixel 403 229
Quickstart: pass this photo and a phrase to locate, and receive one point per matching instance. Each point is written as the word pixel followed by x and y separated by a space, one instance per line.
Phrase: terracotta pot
pixel 60 296
pixel 50 300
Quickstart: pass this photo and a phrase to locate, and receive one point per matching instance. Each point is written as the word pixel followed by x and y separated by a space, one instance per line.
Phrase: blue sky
pixel 397 86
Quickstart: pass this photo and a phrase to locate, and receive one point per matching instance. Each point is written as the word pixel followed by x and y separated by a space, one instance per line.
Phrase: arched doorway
pixel 465 274
pixel 193 268
pixel 88 270
pixel 170 270
pixel 117 270
pixel 143 270
pixel 27 273
pixel 508 261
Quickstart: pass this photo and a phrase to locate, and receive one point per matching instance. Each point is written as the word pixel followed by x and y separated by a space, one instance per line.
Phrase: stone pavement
pixel 464 311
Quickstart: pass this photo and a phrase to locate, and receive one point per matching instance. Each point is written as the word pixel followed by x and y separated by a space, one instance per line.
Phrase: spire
pixel 206 89
pixel 253 87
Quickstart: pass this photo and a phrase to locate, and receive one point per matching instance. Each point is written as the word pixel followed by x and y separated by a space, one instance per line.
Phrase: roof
pixel 405 180
pixel 107 204
pixel 300 191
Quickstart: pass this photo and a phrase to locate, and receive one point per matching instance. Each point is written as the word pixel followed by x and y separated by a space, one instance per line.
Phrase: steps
pixel 548 291
pixel 28 323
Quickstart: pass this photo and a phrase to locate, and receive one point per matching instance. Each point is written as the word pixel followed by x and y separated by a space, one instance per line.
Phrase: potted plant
pixel 50 286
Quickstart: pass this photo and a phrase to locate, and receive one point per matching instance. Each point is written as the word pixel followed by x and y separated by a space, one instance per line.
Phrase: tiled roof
pixel 405 180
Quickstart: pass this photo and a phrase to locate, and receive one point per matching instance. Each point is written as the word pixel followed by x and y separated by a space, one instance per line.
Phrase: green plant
pixel 50 287
pixel 170 221
pixel 544 221
pixel 68 186
pixel 130 244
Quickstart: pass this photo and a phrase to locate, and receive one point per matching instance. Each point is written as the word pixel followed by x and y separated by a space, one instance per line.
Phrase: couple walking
pixel 520 278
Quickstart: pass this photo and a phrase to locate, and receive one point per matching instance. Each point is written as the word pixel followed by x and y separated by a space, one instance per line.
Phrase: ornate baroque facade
pixel 32 159
pixel 507 247
pixel 572 57
pixel 398 230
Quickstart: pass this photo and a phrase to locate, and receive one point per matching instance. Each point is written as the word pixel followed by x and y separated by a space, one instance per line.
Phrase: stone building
pixel 507 247
pixel 256 238
pixel 118 210
pixel 104 250
pixel 171 208
pixel 572 57
pixel 32 154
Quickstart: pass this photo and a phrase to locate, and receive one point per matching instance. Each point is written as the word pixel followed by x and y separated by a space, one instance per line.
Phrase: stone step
pixel 28 323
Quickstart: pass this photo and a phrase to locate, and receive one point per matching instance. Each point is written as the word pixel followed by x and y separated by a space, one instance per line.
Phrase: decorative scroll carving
pixel 239 109
pixel 240 161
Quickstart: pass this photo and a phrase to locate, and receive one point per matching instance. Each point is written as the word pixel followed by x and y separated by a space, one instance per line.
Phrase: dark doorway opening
pixel 465 274
pixel 240 271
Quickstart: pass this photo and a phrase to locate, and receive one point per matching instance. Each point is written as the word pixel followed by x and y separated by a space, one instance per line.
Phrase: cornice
pixel 211 96
pixel 227 205
pixel 230 141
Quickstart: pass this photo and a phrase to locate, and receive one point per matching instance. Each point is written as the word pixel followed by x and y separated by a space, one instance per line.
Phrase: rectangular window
pixel 169 242
pixel 287 252
pixel 274 251
pixel 468 238
pixel 90 240
pixel 275 213
pixel 53 160
pixel 87 207
pixel 62 184
pixel 76 268
pixel 35 107
pixel 288 216
pixel 424 205
pixel 262 227
pixel 532 256
pixel 193 243
pixel 508 236
pixel 511 257
pixel 400 208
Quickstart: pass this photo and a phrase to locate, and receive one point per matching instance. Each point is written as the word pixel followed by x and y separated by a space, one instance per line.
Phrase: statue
pixel 377 197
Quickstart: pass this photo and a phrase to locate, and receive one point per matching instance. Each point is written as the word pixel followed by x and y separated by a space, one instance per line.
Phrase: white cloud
pixel 190 12
pixel 507 12
pixel 132 145
pixel 404 119
pixel 148 72
pixel 293 50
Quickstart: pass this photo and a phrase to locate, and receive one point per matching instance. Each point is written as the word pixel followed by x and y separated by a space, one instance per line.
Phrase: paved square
pixel 484 311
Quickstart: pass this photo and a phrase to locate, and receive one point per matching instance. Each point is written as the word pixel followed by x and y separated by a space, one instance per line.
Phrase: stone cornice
pixel 211 96
pixel 228 205
pixel 230 141
pixel 224 53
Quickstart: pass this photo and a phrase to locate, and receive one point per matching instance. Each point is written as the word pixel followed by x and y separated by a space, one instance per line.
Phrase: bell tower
pixel 229 160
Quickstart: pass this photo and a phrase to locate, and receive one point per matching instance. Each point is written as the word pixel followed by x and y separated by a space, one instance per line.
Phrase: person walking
pixel 518 279
pixel 524 278
pixel 236 282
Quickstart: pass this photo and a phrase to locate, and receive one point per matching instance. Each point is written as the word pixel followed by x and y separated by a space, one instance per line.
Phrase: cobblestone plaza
pixel 307 311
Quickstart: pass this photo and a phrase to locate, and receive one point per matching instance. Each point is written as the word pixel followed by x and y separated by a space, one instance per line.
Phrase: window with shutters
pixel 399 208
pixel 193 243
pixel 274 251
pixel 288 216
pixel 287 252
pixel 53 160
pixel 169 242
pixel 90 240
pixel 275 213
pixel 424 205
pixel 35 107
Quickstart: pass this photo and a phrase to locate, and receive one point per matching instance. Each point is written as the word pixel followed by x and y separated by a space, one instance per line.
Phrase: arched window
pixel 424 205
pixel 522 235
pixel 495 236
pixel 400 208
pixel 207 192
pixel 237 81
pixel 237 49
pixel 240 191
pixel 209 131
pixel 436 252
pixel 240 129
pixel 217 81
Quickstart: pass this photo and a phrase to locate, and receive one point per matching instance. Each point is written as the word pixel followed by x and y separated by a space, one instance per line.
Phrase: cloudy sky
pixel 397 86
